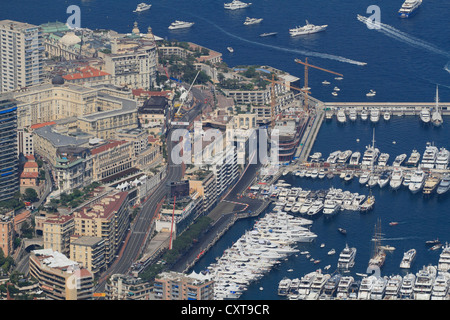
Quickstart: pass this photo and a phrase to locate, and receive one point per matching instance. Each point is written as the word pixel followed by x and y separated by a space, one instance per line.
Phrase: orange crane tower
pixel 307 65
pixel 273 96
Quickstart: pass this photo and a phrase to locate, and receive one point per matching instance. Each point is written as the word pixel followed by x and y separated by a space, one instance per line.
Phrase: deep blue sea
pixel 405 60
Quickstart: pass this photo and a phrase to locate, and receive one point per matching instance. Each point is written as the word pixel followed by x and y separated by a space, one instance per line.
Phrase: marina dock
pixel 327 110
pixel 396 108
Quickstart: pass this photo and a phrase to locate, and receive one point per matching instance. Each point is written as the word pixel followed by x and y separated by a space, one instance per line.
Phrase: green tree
pixel 30 195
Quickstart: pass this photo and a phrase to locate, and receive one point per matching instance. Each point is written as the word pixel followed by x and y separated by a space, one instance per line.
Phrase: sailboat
pixel 436 117
pixel 378 254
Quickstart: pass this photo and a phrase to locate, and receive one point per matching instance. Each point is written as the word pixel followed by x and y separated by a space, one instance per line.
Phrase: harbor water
pixel 419 218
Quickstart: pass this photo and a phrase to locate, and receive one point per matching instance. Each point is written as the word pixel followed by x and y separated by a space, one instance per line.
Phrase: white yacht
pixel 344 156
pixel 354 159
pixel 383 179
pixel 436 117
pixel 396 179
pixel 370 156
pixel 393 287
pixel 373 180
pixel 441 287
pixel 315 208
pixel 236 4
pixel 322 173
pixel 364 177
pixel 407 179
pixel 408 258
pixel 424 283
pixel 425 115
pixel 343 288
pixel 332 158
pixel 307 29
pixel 268 34
pixel 417 181
pixel 444 185
pixel 177 24
pixel 317 285
pixel 347 258
pixel 378 289
pixel 444 259
pixel 334 93
pixel 353 114
pixel 383 159
pixel 387 115
pixel 429 156
pixel 366 287
pixel 399 160
pixel 413 159
pixel 442 158
pixel 341 118
pixel 364 114
pixel 142 7
pixel 331 207
pixel 408 8
pixel 304 286
pixel 375 115
pixel 407 287
pixel 331 285
pixel 371 93
pixel 284 286
pixel 248 21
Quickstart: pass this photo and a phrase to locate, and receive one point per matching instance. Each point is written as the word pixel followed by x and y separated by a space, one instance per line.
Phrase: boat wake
pixel 447 67
pixel 302 52
pixel 402 36
pixel 405 38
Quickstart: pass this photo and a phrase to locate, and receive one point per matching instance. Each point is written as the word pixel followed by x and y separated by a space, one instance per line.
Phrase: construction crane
pixel 273 102
pixel 307 65
pixel 184 96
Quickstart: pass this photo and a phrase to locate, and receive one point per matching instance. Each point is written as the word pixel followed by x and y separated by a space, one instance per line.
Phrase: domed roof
pixel 58 80
pixel 70 39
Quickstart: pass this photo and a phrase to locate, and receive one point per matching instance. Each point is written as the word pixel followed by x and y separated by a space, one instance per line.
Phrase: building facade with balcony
pixel 59 277
pixel 9 162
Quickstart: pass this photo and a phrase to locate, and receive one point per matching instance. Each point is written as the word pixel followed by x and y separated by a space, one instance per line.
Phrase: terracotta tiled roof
pixel 29 175
pixel 30 164
pixel 112 144
pixel 85 73
pixel 40 125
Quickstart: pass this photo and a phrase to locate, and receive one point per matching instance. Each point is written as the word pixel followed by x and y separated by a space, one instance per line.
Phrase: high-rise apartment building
pixel 9 178
pixel 21 55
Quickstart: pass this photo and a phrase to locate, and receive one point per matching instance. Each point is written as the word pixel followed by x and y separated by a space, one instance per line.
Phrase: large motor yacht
pixel 236 4
pixel 347 258
pixel 417 181
pixel 408 8
pixel 307 29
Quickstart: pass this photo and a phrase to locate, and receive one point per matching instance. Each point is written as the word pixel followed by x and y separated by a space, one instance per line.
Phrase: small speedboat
pixel 371 93
pixel 230 49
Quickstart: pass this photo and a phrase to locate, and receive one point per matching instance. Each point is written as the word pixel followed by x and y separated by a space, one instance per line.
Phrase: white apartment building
pixel 132 62
pixel 21 55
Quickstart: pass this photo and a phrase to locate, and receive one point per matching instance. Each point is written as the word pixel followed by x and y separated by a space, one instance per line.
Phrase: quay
pixel 396 108
pixel 320 110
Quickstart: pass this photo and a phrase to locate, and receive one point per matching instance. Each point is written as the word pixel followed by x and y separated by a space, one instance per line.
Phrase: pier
pixel 396 108
pixel 326 110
